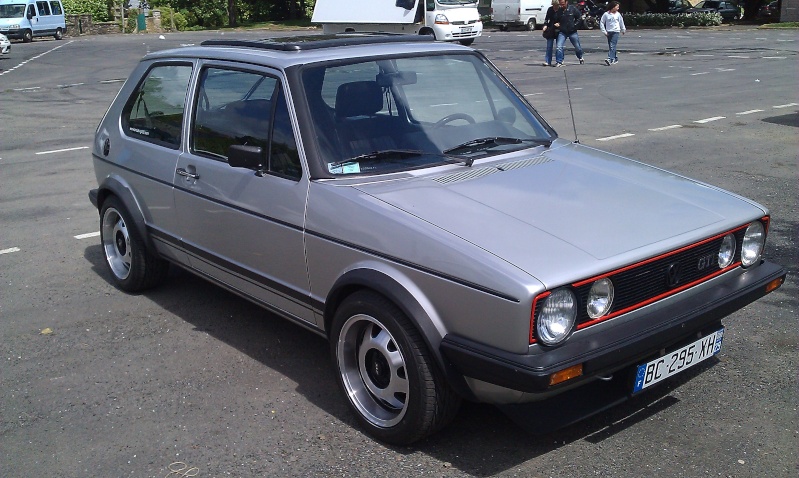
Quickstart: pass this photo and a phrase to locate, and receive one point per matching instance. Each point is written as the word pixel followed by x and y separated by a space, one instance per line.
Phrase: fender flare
pixel 114 186
pixel 423 317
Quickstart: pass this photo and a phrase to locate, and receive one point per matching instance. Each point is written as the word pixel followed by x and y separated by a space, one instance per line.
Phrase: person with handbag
pixel 550 32
pixel 567 18
pixel 612 25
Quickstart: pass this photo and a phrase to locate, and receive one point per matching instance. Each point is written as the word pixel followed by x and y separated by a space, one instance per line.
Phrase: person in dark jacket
pixel 550 31
pixel 566 20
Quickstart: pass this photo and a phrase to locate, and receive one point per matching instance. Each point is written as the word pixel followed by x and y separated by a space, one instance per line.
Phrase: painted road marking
pixel 664 128
pixel 787 106
pixel 112 81
pixel 9 250
pixel 702 73
pixel 625 135
pixel 87 235
pixel 708 120
pixel 62 150
pixel 749 112
pixel 4 72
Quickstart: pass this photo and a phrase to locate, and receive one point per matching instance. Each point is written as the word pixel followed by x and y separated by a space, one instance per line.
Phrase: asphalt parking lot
pixel 190 380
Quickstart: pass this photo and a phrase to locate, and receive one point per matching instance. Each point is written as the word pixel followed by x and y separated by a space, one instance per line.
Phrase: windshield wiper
pixel 482 144
pixel 379 156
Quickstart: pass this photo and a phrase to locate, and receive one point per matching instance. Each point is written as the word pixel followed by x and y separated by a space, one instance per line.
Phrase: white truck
pixel 446 20
pixel 529 14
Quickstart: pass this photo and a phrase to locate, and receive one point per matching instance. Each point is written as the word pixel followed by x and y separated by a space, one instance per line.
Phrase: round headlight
pixel 600 298
pixel 727 251
pixel 557 317
pixel 752 246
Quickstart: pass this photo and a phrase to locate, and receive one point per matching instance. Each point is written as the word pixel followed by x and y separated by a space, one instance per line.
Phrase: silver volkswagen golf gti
pixel 400 198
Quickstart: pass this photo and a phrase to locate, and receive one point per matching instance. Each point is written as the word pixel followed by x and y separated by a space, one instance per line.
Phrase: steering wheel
pixel 454 117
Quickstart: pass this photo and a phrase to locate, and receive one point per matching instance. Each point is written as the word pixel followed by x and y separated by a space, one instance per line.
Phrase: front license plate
pixel 466 29
pixel 677 361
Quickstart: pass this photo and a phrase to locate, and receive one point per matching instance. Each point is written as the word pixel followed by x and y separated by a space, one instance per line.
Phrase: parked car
pixel 728 10
pixel 770 11
pixel 400 198
pixel 679 6
pixel 5 45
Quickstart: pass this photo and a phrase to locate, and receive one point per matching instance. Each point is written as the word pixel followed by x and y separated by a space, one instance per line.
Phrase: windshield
pixel 396 114
pixel 12 11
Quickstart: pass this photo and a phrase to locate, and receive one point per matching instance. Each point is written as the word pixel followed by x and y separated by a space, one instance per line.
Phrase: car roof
pixel 284 52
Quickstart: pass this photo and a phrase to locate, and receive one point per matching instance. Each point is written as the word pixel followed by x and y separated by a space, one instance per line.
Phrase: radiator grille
pixel 654 279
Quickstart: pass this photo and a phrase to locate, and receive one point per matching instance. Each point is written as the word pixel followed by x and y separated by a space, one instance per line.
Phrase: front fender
pixel 409 298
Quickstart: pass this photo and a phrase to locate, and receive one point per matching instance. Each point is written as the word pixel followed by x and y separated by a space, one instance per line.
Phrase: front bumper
pixel 526 377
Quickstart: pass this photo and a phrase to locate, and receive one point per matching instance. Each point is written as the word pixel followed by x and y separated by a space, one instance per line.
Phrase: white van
pixel 447 20
pixel 519 13
pixel 26 19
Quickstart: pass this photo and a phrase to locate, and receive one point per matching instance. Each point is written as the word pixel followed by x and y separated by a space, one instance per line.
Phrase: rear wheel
pixel 384 368
pixel 132 266
pixel 58 34
pixel 531 25
pixel 27 36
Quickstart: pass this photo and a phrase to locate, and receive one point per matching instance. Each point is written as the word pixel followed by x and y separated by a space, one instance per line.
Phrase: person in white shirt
pixel 612 25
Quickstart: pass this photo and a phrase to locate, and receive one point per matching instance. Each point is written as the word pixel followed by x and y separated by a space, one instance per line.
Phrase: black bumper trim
pixel 615 348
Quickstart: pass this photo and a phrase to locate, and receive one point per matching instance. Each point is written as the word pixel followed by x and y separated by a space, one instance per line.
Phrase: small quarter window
pixel 56 7
pixel 154 112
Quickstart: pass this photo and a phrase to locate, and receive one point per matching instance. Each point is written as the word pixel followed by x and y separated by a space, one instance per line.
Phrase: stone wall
pixel 83 25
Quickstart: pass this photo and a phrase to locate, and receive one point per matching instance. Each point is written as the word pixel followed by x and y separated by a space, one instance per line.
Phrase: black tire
pixel 384 368
pixel 59 34
pixel 467 42
pixel 530 25
pixel 27 36
pixel 133 268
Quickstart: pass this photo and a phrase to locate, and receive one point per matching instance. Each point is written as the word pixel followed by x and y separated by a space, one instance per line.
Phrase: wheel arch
pixel 415 307
pixel 114 186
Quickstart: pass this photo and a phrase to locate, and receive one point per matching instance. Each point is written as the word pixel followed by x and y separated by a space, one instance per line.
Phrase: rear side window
pixel 56 7
pixel 43 7
pixel 244 108
pixel 154 112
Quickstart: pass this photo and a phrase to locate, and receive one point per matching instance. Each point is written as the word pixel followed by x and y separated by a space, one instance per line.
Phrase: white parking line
pixel 3 72
pixel 749 112
pixel 725 69
pixel 787 106
pixel 664 128
pixel 774 57
pixel 70 85
pixel 738 56
pixel 533 94
pixel 32 88
pixel 701 73
pixel 87 235
pixel 62 150
pixel 625 135
pixel 708 120
pixel 112 81
pixel 9 250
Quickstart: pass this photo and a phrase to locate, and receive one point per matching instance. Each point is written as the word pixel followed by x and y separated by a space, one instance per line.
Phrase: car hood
pixel 571 208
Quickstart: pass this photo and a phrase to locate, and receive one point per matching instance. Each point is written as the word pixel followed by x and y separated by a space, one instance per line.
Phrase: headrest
pixel 359 98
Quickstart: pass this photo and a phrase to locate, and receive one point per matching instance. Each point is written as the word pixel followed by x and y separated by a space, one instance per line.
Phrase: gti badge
pixel 705 261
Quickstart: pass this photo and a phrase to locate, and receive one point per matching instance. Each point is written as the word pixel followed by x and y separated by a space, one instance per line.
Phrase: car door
pixel 41 24
pixel 244 226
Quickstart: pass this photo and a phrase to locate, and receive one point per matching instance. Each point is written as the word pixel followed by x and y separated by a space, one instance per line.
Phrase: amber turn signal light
pixel 774 284
pixel 566 374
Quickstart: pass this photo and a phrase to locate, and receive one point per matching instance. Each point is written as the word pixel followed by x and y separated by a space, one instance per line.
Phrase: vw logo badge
pixel 673 274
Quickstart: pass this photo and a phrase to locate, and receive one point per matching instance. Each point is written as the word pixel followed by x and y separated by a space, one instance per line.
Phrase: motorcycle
pixel 590 13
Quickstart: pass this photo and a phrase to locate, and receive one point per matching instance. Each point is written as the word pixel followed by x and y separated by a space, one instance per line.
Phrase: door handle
pixel 187 174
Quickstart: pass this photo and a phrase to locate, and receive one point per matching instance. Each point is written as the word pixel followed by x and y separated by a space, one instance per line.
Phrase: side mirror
pixel 243 156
